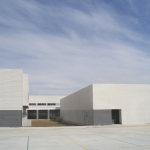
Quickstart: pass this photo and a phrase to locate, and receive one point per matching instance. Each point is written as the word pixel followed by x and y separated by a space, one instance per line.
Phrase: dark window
pixel 54 113
pixel 51 104
pixel 31 114
pixel 43 114
pixel 33 104
pixel 41 104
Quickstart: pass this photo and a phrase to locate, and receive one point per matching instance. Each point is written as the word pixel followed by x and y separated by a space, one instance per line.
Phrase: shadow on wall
pixel 77 117
pixel 91 117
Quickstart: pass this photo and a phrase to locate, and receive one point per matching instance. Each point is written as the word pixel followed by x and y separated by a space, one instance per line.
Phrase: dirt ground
pixel 44 123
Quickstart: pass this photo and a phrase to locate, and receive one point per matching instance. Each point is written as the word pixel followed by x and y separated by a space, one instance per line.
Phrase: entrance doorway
pixel 116 116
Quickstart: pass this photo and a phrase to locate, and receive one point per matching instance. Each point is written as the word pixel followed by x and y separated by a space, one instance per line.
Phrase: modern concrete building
pixel 96 104
pixel 106 104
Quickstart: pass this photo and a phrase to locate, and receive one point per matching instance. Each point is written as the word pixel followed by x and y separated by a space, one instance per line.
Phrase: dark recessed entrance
pixel 31 114
pixel 43 114
pixel 116 116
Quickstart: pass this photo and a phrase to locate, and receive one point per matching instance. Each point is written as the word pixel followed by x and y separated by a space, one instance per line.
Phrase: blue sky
pixel 67 45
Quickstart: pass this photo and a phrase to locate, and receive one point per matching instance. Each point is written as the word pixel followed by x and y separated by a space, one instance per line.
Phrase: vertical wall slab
pixel 11 97
pixel 25 90
pixel 25 121
pixel 77 108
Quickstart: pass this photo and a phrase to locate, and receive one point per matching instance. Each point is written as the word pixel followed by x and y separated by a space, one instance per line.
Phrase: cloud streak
pixel 64 48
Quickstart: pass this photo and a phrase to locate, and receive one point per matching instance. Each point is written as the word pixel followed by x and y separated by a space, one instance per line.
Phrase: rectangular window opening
pixel 31 114
pixel 43 114
pixel 41 104
pixel 49 104
pixel 32 104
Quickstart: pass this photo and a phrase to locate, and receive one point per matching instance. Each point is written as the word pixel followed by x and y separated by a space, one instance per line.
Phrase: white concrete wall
pixel 74 106
pixel 11 89
pixel 25 89
pixel 26 122
pixel 132 99
pixel 44 99
pixel 80 100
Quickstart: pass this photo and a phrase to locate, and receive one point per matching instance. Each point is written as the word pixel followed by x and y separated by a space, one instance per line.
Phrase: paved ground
pixel 76 138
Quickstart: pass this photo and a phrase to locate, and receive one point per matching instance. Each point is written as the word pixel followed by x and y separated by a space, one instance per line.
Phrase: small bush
pixel 56 119
pixel 60 120
pixel 51 117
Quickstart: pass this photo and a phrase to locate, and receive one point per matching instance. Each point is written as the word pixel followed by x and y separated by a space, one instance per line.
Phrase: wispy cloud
pixel 64 47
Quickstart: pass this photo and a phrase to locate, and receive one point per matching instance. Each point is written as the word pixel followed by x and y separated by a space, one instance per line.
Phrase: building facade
pixel 17 108
pixel 96 104
pixel 106 104
pixel 42 107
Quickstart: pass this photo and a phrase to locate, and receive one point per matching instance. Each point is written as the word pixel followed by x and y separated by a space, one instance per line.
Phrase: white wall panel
pixel 80 100
pixel 74 107
pixel 11 89
pixel 132 99
pixel 25 89
pixel 45 99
